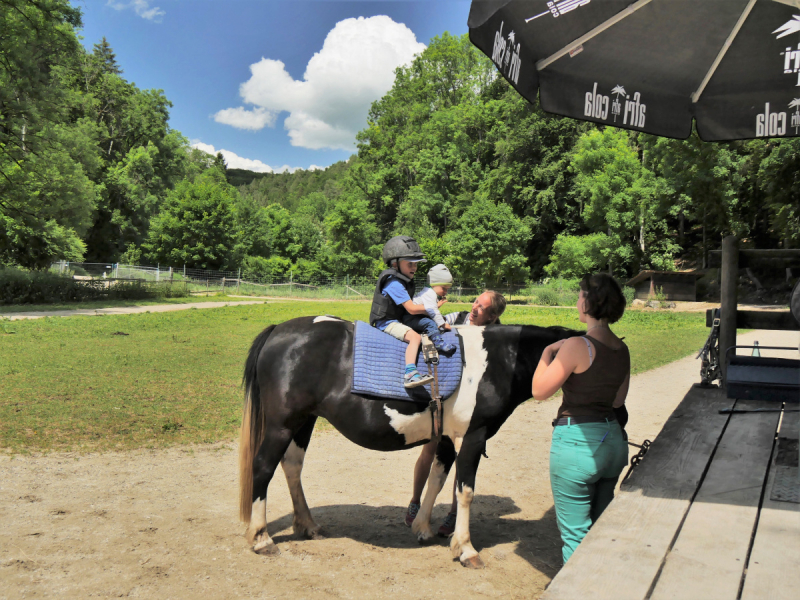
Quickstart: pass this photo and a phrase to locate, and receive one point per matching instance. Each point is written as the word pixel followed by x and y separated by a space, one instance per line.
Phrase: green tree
pixel 488 243
pixel 196 225
pixel 577 255
pixel 46 154
pixel 702 185
pixel 779 180
pixel 352 237
pixel 621 198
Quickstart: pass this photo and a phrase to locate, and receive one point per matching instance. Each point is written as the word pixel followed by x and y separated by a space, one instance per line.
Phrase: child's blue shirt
pixel 395 290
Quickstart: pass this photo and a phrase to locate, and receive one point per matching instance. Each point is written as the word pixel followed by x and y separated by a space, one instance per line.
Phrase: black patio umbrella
pixel 652 65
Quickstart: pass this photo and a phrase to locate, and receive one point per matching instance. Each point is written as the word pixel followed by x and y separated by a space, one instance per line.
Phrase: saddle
pixel 379 362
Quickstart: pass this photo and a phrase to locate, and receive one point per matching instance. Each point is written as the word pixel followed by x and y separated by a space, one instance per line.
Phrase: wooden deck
pixel 696 520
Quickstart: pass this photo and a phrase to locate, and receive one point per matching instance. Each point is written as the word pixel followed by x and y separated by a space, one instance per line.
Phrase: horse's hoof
pixel 266 549
pixel 317 534
pixel 424 537
pixel 473 562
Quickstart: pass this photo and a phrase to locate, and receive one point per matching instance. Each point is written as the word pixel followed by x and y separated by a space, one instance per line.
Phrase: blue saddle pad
pixel 379 363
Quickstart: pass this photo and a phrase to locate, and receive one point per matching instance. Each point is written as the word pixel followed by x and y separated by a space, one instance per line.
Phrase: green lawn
pixel 76 384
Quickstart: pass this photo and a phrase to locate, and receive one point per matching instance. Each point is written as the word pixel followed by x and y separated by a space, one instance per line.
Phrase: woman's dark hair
pixel 604 298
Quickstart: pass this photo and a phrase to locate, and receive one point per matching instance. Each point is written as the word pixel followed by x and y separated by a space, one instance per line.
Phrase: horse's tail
pixel 252 433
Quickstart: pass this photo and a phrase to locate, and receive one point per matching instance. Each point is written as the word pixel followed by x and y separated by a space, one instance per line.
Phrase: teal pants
pixel 585 463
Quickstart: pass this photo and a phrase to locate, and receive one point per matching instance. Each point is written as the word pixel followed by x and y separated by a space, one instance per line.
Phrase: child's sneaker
pixel 441 346
pixel 416 379
pixel 411 513
pixel 448 526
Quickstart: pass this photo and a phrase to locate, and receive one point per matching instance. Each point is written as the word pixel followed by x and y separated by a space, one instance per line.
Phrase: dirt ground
pixel 163 524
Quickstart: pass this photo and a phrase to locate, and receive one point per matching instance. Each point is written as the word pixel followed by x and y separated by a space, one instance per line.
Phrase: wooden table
pixel 696 520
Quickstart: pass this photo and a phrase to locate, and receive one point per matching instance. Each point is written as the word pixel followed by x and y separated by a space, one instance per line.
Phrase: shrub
pixel 629 294
pixel 264 269
pixel 548 297
pixel 42 287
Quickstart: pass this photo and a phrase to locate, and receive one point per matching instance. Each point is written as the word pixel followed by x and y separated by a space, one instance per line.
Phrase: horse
pixel 302 369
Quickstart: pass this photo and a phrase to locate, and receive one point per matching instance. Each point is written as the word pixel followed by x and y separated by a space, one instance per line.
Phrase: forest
pixel 488 183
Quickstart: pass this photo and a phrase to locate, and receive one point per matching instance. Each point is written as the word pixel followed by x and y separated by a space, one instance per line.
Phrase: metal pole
pixel 728 301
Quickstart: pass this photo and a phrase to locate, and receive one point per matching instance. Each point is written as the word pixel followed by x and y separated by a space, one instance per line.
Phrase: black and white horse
pixel 302 369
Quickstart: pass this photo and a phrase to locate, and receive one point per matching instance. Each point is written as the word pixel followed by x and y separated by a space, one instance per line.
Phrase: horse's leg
pixel 292 463
pixel 469 455
pixel 276 441
pixel 445 455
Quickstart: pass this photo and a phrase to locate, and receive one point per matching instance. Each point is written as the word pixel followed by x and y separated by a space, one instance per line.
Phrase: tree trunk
pixel 641 232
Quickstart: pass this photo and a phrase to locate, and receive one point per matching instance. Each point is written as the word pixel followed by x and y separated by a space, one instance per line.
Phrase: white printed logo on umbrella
pixel 795 104
pixel 505 55
pixel 633 110
pixel 791 58
pixel 559 7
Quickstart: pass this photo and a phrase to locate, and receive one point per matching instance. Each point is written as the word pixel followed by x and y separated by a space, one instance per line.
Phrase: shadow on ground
pixel 537 540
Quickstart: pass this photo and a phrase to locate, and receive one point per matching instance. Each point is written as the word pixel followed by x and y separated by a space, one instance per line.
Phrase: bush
pixel 259 268
pixel 548 297
pixel 629 294
pixel 42 287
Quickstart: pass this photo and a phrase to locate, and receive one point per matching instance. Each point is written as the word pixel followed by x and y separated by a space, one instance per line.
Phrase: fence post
pixel 223 286
pixel 238 280
pixel 184 270
pixel 206 287
pixel 158 272
pixel 347 286
pixel 728 301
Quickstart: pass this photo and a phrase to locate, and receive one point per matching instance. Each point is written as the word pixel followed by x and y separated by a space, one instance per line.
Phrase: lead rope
pixel 431 357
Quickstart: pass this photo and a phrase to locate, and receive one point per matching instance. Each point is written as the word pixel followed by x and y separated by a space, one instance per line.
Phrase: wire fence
pixel 213 282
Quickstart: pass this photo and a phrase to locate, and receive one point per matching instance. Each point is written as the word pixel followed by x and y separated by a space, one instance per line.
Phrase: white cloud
pixel 329 106
pixel 142 8
pixel 234 161
pixel 241 118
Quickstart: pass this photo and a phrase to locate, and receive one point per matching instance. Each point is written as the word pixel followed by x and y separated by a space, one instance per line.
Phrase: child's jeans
pixel 420 324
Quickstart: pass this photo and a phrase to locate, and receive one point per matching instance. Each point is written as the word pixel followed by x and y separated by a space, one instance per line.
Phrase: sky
pixel 274 85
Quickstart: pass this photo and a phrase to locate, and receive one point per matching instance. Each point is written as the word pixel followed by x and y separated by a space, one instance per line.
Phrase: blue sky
pixel 316 67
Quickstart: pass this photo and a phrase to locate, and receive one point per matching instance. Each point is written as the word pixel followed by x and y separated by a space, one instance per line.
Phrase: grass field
pixel 79 384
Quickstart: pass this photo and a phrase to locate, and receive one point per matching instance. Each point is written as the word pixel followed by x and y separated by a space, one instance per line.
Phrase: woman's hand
pixel 552 371
pixel 551 350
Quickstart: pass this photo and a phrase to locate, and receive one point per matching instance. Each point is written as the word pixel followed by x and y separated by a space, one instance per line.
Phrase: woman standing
pixel 588 451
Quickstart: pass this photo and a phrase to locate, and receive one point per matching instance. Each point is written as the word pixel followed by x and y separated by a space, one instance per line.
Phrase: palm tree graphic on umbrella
pixel 795 104
pixel 616 106
pixel 510 48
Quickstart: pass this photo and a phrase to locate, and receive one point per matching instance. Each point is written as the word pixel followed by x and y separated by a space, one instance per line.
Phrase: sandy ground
pixel 163 524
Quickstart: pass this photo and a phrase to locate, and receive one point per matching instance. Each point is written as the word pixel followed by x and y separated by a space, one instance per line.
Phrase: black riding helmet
pixel 402 246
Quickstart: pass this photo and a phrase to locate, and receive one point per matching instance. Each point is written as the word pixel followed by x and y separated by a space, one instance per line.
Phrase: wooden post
pixel 728 301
